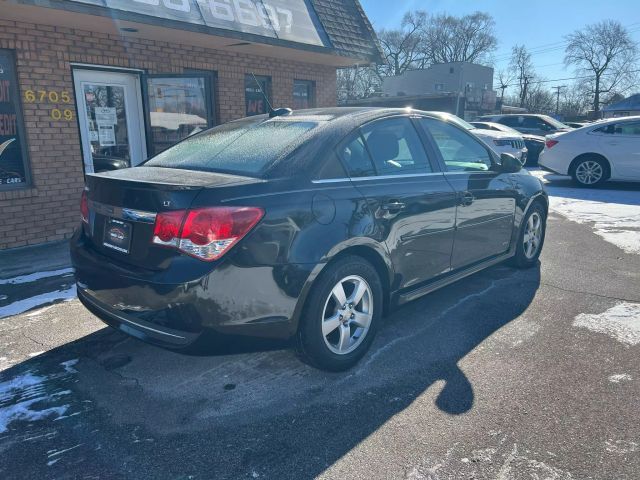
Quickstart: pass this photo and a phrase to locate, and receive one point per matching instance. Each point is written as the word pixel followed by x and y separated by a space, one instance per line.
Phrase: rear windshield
pixel 243 148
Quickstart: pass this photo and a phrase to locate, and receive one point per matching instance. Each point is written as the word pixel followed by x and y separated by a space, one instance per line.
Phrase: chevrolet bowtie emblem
pixel 4 145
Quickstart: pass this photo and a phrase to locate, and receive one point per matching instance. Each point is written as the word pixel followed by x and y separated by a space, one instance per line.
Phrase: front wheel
pixel 531 237
pixel 341 316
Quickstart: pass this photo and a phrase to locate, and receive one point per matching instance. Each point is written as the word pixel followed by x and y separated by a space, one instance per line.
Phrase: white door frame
pixel 131 83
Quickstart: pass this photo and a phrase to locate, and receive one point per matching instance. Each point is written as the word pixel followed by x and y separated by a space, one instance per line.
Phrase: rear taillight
pixel 550 143
pixel 205 233
pixel 84 207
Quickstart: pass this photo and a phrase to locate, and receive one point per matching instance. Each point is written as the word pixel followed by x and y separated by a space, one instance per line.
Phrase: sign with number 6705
pixel 46 96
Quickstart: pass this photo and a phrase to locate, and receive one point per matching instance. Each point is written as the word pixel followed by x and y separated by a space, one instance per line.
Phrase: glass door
pixel 111 120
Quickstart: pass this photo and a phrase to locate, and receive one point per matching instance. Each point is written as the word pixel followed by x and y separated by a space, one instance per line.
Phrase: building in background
pixel 93 85
pixel 625 108
pixel 462 88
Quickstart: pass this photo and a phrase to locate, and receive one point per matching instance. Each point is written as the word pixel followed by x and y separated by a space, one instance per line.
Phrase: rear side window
pixel 395 147
pixel 356 158
pixel 511 121
pixel 243 148
pixel 460 151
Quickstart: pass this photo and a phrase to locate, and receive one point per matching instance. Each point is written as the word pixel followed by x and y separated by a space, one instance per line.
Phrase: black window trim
pixel 20 126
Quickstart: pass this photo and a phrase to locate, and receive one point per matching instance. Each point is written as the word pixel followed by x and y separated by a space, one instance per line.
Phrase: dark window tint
pixel 304 93
pixel 331 168
pixel 356 158
pixel 536 123
pixel 245 147
pixel 254 100
pixel 460 150
pixel 13 151
pixel 395 147
pixel 511 121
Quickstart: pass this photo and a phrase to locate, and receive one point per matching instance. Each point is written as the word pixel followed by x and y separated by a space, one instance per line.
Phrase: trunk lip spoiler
pixel 123 213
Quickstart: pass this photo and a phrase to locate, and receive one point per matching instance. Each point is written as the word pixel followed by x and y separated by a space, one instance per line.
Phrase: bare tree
pixel 503 78
pixel 403 48
pixel 357 82
pixel 522 68
pixel 470 38
pixel 606 52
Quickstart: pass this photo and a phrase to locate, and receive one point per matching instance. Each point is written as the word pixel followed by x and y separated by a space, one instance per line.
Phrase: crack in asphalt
pixel 583 292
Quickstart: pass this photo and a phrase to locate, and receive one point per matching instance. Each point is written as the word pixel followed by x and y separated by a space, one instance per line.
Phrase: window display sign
pixel 13 155
pixel 284 19
pixel 255 103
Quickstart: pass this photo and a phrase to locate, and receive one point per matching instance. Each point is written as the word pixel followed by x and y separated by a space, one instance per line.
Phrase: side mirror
pixel 509 163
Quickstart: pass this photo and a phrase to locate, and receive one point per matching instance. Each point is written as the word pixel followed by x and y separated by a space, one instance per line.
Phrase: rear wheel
pixel 341 316
pixel 531 237
pixel 590 171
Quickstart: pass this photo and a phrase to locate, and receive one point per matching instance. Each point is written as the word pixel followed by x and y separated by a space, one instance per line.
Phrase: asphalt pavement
pixel 508 374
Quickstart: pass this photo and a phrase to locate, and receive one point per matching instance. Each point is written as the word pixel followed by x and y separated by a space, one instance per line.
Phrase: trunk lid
pixel 123 205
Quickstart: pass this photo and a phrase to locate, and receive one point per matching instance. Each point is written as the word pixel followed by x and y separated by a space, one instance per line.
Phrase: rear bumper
pixel 549 161
pixel 230 299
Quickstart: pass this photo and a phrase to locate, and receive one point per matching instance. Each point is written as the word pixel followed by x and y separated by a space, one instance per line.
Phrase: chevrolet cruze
pixel 308 224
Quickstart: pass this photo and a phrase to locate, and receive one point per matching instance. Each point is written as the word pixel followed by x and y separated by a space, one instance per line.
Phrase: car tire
pixel 590 171
pixel 533 230
pixel 334 334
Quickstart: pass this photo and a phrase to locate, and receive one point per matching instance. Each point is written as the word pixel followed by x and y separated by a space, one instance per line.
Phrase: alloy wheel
pixel 589 172
pixel 347 315
pixel 532 235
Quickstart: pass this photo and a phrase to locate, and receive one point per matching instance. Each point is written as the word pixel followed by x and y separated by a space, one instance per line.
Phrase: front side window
pixel 255 103
pixel 395 147
pixel 460 151
pixel 304 94
pixel 514 122
pixel 245 147
pixel 13 152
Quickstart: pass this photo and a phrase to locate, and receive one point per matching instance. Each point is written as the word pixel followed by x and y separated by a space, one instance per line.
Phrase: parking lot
pixel 508 374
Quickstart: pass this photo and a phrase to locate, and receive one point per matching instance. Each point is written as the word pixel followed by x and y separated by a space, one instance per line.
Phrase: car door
pixel 621 145
pixel 411 201
pixel 486 198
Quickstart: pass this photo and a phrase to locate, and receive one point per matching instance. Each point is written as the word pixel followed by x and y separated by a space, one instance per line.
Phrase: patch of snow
pixel 21 306
pixel 620 377
pixel 620 447
pixel 38 312
pixel 26 397
pixel 615 214
pixel 68 365
pixel 621 322
pixel 32 277
pixel 35 354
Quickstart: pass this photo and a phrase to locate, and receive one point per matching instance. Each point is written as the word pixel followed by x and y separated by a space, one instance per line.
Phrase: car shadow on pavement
pixel 254 411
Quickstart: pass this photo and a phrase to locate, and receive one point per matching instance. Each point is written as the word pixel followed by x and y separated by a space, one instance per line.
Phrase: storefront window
pixel 179 106
pixel 304 94
pixel 13 152
pixel 254 100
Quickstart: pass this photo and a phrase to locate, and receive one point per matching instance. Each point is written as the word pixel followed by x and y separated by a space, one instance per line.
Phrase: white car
pixel 499 142
pixel 605 150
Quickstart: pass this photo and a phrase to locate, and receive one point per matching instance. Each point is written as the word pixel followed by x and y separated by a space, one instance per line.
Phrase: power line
pixel 568 78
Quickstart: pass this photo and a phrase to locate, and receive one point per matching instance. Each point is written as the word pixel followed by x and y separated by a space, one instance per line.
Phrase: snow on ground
pixel 20 306
pixel 615 214
pixel 32 277
pixel 31 397
pixel 621 322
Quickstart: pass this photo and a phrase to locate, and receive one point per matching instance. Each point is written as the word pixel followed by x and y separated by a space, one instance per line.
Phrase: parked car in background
pixel 576 124
pixel 308 225
pixel 500 142
pixel 530 123
pixel 605 150
pixel 534 143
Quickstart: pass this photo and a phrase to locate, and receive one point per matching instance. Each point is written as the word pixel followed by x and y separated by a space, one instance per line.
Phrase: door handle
pixel 393 206
pixel 466 199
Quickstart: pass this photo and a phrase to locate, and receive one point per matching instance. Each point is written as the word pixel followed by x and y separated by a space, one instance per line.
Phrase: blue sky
pixel 538 24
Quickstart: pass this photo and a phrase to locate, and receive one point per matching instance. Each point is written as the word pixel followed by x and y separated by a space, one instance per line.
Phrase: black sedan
pixel 308 225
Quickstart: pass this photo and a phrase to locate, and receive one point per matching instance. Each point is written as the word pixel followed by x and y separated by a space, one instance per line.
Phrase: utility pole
pixel 524 83
pixel 558 88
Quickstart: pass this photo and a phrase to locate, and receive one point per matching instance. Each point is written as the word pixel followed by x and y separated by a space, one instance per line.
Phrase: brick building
pixel 92 85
